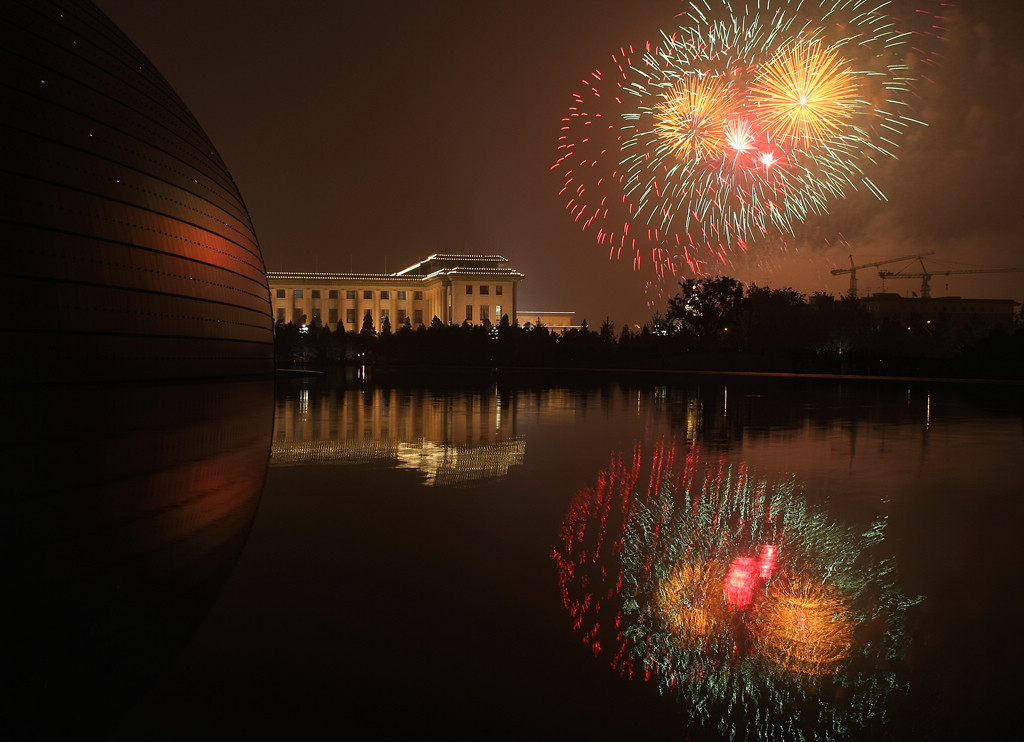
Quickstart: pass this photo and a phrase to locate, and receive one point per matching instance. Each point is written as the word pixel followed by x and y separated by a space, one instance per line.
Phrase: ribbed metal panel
pixel 127 251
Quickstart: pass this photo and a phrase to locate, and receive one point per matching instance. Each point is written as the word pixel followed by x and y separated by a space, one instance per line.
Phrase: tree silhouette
pixel 607 331
pixel 367 328
pixel 706 306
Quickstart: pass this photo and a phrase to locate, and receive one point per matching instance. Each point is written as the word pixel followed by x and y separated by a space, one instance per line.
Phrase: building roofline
pixel 452 257
pixel 301 275
pixel 395 277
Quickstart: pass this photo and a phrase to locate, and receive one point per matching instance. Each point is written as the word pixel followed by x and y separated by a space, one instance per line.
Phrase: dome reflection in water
pixel 127 508
pixel 764 616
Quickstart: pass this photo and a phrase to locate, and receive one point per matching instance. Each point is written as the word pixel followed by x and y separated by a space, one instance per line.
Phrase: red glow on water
pixel 740 582
pixel 767 563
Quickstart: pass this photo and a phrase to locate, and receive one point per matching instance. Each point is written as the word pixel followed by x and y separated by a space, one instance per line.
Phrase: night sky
pixel 364 137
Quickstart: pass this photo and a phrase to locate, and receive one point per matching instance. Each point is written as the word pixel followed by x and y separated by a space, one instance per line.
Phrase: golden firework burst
pixel 806 93
pixel 691 120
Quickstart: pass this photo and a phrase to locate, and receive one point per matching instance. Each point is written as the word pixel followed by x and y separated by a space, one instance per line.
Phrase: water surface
pixel 485 559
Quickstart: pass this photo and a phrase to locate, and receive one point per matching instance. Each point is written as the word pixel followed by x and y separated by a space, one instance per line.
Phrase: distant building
pixel 554 321
pixel 962 316
pixel 478 289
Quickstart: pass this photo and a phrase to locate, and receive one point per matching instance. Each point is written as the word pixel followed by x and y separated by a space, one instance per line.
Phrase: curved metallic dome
pixel 127 252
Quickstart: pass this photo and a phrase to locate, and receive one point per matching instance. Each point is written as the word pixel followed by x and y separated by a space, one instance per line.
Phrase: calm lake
pixel 578 556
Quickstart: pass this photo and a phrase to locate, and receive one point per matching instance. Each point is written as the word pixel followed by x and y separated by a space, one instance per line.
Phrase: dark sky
pixel 366 136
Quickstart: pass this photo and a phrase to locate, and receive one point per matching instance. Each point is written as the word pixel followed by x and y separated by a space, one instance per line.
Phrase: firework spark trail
pixel 740 123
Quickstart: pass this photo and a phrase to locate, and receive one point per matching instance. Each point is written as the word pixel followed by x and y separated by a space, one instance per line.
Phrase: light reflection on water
pixel 764 616
pixel 399 574
pixel 450 438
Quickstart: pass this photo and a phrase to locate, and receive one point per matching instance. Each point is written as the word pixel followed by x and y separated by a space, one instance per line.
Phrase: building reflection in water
pixel 130 508
pixel 765 617
pixel 450 438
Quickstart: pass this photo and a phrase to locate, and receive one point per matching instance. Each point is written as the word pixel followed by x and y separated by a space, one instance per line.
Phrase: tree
pixel 706 306
pixel 385 326
pixel 607 331
pixel 659 325
pixel 777 319
pixel 367 328
pixel 287 339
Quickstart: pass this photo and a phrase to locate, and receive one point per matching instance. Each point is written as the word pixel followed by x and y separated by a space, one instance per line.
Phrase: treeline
pixel 711 324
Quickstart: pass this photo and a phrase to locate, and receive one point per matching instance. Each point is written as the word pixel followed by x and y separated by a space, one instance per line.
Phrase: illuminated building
pixel 478 289
pixel 554 321
pixel 465 437
pixel 128 252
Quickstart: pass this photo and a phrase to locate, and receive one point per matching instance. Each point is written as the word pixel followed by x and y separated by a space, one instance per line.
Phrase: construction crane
pixel 926 275
pixel 852 270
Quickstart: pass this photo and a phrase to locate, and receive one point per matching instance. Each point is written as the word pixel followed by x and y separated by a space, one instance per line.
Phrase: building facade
pixel 127 250
pixel 966 317
pixel 478 289
pixel 554 321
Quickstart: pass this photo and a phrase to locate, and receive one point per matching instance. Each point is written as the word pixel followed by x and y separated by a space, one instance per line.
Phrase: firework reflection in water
pixel 763 616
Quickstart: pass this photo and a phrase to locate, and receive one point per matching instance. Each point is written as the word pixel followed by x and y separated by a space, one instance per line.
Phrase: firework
pixel 692 119
pixel 738 124
pixel 805 95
